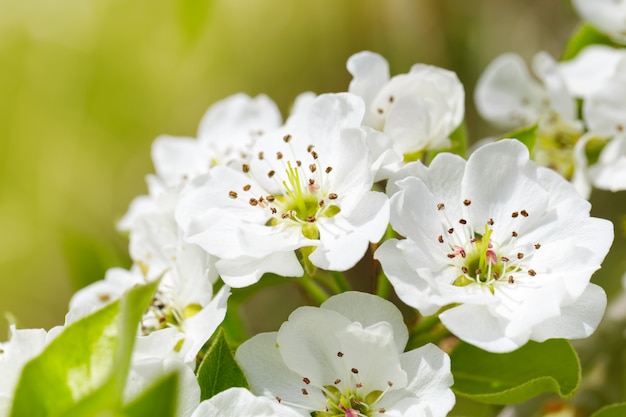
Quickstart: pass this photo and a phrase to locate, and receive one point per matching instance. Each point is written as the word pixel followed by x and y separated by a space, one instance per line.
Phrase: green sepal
pixel 509 378
pixel 89 359
pixel 219 370
pixel 584 36
pixel 527 135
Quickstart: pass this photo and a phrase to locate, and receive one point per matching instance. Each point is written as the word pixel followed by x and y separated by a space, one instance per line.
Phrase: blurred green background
pixel 86 85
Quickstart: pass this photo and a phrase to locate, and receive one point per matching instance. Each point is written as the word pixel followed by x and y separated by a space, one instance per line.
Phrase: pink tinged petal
pixel 268 374
pixel 244 271
pixel 369 309
pixel 476 325
pixel 506 95
pixel 577 320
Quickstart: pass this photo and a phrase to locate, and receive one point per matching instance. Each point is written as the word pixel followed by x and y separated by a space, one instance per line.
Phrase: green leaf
pixel 219 370
pixel 614 410
pixel 158 400
pixel 89 359
pixel 585 35
pixel 508 378
pixel 527 135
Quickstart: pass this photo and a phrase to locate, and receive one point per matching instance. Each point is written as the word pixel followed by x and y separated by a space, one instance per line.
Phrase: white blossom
pixel 307 187
pixel 346 358
pixel 417 111
pixel 225 134
pixel 507 244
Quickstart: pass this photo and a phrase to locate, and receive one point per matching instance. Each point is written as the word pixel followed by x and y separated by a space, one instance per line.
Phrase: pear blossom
pixel 509 97
pixel 417 111
pixel 507 246
pixel 237 402
pixel 346 358
pixel 181 318
pixel 608 16
pixel 307 188
pixel 584 73
pixel 604 111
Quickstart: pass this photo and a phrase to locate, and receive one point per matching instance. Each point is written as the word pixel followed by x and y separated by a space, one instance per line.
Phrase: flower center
pixel 162 313
pixel 479 260
pixel 305 196
pixel 480 263
pixel 556 139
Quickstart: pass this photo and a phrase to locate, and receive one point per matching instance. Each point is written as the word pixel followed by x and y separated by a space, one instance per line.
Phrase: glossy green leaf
pixel 219 370
pixel 615 410
pixel 89 359
pixel 527 135
pixel 508 378
pixel 585 35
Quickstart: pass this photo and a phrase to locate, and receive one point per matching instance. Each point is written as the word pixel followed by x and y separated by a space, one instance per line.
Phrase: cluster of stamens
pixel 345 398
pixel 163 313
pixel 479 259
pixel 305 196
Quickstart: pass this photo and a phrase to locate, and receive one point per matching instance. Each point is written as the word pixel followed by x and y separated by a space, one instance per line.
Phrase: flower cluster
pixel 498 246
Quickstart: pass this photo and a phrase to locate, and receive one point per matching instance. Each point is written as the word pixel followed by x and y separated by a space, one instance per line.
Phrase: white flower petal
pixel 368 309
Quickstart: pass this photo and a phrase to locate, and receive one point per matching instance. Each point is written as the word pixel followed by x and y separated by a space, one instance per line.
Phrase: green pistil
pixel 339 403
pixel 478 266
pixel 482 245
pixel 294 189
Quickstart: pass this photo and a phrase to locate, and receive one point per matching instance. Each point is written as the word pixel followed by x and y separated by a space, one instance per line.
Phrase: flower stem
pixel 341 281
pixel 313 289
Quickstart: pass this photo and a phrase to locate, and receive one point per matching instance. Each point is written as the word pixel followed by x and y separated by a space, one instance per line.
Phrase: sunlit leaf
pixel 508 378
pixel 89 359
